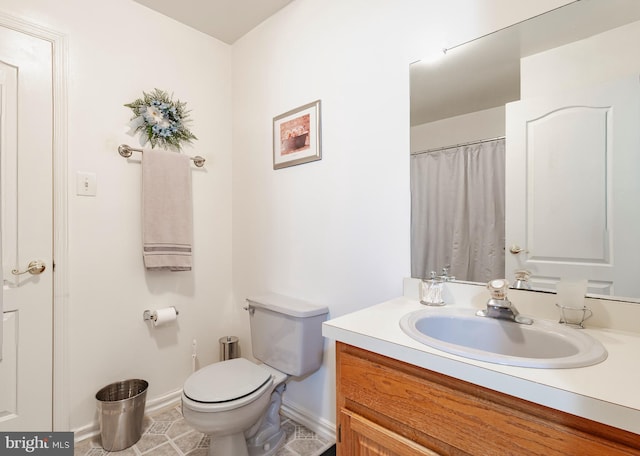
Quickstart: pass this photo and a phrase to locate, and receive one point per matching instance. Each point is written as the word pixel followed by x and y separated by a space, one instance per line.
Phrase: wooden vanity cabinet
pixel 387 407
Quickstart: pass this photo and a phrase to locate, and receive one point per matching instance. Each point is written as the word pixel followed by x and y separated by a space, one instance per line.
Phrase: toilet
pixel 237 402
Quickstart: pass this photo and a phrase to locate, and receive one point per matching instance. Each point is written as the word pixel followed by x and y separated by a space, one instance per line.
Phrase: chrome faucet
pixel 445 277
pixel 498 306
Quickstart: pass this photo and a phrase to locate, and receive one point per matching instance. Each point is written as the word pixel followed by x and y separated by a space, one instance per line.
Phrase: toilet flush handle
pixel 250 309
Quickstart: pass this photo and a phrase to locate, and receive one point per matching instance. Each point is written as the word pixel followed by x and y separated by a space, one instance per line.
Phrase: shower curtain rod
pixel 471 143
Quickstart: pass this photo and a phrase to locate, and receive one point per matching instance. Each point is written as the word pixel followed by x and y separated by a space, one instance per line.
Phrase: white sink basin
pixel 541 345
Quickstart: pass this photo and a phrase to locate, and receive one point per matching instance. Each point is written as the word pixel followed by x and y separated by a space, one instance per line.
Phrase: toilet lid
pixel 225 381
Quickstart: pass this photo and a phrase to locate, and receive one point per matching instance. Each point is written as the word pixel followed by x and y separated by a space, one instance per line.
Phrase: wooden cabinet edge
pixel 581 430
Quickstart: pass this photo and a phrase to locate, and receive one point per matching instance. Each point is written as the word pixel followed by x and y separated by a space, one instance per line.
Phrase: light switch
pixel 85 183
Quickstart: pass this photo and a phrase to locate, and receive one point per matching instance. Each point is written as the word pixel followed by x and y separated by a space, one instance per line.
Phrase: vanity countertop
pixel 605 392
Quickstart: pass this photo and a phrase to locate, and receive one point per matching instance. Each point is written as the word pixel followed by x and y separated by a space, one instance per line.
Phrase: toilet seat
pixel 226 385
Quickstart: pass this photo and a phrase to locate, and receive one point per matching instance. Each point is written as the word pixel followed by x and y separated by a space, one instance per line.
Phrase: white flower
pixel 153 115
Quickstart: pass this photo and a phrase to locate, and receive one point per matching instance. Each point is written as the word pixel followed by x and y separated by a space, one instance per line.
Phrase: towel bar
pixel 127 151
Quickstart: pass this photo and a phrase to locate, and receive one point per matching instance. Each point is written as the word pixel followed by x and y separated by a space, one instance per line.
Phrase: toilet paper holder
pixel 148 316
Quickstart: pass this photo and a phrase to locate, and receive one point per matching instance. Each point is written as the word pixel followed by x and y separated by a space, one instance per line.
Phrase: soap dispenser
pixel 431 291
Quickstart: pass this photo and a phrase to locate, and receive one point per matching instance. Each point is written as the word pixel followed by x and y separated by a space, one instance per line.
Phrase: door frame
pixel 60 301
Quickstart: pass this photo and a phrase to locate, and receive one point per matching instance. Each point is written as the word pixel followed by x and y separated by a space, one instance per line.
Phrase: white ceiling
pixel 226 20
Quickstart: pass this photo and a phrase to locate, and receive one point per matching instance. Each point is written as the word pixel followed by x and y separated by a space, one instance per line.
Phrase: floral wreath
pixel 160 120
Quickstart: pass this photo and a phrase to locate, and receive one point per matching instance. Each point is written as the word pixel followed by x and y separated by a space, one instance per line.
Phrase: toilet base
pixel 270 446
pixel 266 436
pixel 234 444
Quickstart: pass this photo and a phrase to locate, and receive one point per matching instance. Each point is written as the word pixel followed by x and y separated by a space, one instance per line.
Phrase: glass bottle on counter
pixel 431 291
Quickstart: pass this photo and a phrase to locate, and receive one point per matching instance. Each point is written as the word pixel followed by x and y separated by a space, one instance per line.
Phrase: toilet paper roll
pixel 164 316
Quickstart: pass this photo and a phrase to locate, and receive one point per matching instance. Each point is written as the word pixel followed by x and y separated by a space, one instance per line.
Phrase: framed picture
pixel 296 136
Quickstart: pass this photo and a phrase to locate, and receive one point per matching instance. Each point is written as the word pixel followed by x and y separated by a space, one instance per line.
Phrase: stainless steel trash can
pixel 228 347
pixel 121 410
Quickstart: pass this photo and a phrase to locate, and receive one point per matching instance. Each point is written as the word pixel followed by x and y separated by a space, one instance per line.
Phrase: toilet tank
pixel 286 333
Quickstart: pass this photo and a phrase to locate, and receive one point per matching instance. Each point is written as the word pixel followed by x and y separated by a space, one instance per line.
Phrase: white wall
pixel 485 124
pixel 336 231
pixel 116 50
pixel 599 59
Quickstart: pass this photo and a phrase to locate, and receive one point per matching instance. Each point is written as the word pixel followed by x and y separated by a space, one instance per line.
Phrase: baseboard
pixel 320 426
pixel 151 406
pixel 299 414
pixel 168 400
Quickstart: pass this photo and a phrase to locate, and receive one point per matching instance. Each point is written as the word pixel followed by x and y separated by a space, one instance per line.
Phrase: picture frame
pixel 297 136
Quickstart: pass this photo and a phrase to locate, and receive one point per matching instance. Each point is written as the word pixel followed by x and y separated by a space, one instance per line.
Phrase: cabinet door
pixel 361 437
pixel 390 408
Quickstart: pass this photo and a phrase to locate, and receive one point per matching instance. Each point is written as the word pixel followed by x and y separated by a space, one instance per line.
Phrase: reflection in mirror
pixel 525 153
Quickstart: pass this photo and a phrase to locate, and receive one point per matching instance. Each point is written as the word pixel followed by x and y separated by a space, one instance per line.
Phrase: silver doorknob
pixel 34 267
pixel 516 249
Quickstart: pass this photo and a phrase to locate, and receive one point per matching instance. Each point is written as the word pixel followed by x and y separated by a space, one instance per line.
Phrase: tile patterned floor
pixel 165 433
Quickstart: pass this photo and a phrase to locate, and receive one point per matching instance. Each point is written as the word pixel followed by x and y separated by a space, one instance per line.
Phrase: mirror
pixel 467 96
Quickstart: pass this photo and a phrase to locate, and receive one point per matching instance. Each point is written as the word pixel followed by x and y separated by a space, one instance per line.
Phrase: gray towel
pixel 167 214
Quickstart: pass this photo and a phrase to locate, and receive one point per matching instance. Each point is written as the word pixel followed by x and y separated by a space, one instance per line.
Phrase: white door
pixel 572 188
pixel 26 134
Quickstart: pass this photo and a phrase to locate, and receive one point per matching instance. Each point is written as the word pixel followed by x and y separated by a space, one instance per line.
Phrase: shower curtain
pixel 457 211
